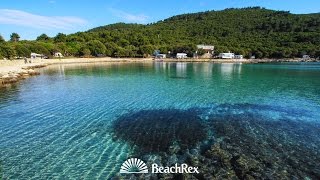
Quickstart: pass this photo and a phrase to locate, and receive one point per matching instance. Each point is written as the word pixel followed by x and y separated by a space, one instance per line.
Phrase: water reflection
pixel 181 69
pixel 229 70
pixel 160 66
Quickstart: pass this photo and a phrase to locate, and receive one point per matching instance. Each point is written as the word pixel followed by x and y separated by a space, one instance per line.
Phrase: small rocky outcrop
pixel 14 76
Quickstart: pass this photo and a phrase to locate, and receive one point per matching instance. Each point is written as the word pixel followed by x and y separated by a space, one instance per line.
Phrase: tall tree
pixel 14 37
pixel 43 37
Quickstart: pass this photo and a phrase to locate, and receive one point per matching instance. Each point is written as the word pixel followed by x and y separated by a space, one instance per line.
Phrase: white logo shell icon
pixel 134 165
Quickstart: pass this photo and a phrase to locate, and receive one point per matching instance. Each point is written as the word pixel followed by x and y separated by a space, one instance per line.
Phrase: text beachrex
pixel 135 165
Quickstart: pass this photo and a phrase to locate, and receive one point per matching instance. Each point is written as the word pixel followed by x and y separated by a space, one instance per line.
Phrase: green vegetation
pixel 248 31
pixel 1 39
pixel 43 37
pixel 7 51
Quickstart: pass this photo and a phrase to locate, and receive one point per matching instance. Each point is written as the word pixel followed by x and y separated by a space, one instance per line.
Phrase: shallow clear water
pixel 73 121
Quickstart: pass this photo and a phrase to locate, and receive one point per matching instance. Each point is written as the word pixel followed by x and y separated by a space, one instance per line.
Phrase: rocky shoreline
pixel 14 76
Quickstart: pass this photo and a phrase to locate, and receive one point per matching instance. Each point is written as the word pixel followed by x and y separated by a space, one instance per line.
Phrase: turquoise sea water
pixel 83 121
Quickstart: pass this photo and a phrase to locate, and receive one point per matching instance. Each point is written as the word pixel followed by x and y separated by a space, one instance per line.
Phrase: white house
pixel 181 55
pixel 207 48
pixel 35 55
pixel 58 54
pixel 238 56
pixel 226 55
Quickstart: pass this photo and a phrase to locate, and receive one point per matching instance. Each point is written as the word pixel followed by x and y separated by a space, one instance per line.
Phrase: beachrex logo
pixel 135 165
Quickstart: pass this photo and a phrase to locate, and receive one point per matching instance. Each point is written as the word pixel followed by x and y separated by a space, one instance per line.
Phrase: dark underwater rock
pixel 256 147
pixel 237 141
pixel 158 130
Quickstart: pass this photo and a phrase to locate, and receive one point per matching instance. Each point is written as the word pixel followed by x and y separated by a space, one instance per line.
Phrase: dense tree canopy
pixel 247 31
pixel 7 51
pixel 22 50
pixel 96 48
pixel 60 37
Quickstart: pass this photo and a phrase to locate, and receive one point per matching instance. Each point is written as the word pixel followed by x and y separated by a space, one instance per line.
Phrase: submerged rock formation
pixel 159 130
pixel 246 144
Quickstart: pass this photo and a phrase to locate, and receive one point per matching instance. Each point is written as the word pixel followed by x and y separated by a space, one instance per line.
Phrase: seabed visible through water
pixel 225 141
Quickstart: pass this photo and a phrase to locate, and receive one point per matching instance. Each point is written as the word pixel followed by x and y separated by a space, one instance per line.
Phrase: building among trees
pixel 226 55
pixel 181 55
pixel 204 51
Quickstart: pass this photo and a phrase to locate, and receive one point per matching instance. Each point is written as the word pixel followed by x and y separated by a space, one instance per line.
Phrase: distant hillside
pixel 248 31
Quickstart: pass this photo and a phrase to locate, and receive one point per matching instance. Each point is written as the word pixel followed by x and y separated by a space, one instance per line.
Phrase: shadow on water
pixel 247 144
pixel 156 130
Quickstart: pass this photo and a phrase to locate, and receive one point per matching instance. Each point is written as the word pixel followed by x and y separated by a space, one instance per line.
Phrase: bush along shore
pixel 14 76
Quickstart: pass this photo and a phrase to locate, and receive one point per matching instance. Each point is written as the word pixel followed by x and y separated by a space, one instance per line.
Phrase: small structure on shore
pixel 208 51
pixel 58 55
pixel 208 48
pixel 35 55
pixel 306 58
pixel 181 55
pixel 161 56
pixel 226 55
pixel 238 56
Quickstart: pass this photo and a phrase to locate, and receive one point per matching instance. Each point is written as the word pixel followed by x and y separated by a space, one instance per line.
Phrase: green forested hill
pixel 248 31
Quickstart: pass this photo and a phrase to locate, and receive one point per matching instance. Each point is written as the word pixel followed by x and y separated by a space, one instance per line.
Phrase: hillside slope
pixel 248 31
pixel 259 31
